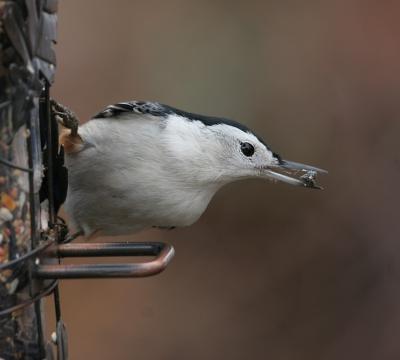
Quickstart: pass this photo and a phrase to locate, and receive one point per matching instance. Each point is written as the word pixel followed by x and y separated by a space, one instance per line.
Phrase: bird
pixel 138 165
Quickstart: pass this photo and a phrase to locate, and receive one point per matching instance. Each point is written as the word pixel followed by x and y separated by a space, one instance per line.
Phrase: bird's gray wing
pixel 134 107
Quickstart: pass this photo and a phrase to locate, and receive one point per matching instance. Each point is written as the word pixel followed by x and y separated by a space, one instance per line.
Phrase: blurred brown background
pixel 270 271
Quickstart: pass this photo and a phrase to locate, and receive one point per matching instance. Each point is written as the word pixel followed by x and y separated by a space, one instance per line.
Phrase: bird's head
pixel 219 151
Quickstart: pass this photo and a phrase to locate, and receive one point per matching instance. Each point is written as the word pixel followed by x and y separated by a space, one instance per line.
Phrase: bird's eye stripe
pixel 247 149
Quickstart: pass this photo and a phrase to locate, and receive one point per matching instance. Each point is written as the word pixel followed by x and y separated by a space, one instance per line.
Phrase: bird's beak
pixel 294 173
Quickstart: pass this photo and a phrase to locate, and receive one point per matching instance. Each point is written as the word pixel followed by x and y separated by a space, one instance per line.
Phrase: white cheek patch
pixel 262 155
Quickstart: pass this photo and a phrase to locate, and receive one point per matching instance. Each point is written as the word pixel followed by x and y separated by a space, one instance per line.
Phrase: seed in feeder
pixel 13 193
pixel 8 202
pixel 5 215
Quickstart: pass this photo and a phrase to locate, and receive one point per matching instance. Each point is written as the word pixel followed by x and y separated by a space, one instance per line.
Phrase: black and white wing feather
pixel 135 107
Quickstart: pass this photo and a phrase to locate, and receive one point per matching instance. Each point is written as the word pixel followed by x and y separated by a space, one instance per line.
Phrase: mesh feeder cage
pixel 27 64
pixel 33 185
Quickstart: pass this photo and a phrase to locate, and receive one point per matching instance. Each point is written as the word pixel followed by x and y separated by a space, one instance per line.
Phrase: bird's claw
pixel 64 116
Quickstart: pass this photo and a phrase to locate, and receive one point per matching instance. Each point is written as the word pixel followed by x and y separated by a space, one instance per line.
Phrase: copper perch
pixel 163 255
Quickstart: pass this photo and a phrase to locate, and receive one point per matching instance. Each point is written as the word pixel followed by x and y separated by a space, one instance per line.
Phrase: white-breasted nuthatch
pixel 138 165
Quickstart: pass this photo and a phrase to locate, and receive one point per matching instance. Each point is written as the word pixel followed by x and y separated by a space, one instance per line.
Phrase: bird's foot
pixel 65 117
pixel 69 139
pixel 71 237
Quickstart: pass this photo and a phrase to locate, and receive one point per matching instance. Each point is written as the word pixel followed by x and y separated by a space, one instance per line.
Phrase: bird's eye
pixel 247 149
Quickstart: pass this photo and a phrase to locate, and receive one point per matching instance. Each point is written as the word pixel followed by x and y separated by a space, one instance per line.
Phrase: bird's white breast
pixel 130 176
